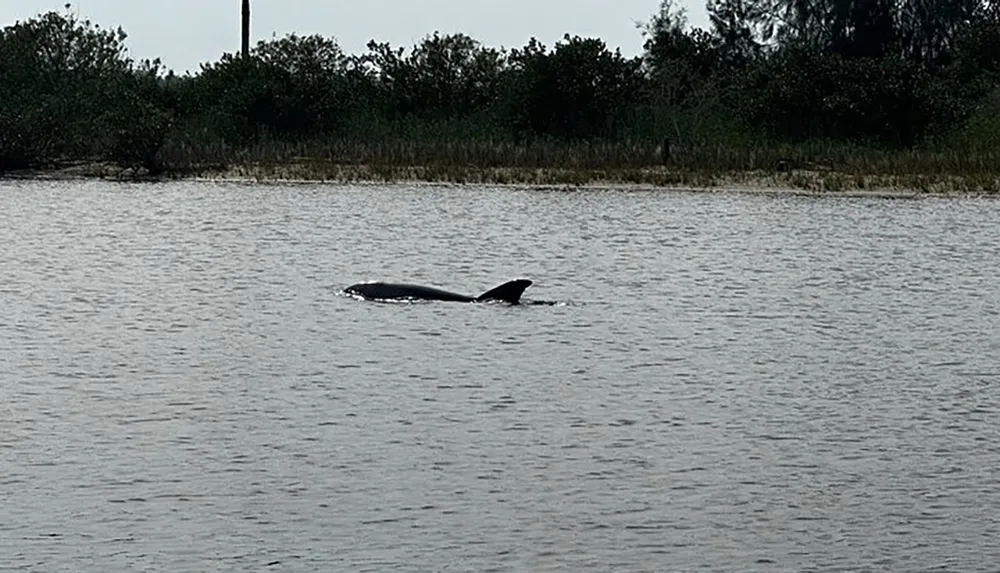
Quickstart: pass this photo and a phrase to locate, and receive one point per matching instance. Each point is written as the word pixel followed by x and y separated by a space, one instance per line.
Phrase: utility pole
pixel 246 28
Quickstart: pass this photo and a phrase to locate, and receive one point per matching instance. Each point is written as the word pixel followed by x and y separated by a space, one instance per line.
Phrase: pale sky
pixel 186 33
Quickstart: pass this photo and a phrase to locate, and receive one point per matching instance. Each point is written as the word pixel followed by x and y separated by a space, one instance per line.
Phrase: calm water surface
pixel 729 382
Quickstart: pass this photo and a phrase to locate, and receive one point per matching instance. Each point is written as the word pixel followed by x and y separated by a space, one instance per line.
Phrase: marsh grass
pixel 716 153
pixel 812 166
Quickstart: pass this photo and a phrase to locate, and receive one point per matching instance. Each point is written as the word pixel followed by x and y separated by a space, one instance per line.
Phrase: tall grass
pixel 473 150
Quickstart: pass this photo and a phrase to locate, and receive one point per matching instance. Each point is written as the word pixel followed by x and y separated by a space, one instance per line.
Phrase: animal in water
pixel 509 292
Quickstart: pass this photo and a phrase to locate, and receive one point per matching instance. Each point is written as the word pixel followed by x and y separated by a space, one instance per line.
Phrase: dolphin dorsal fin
pixel 508 292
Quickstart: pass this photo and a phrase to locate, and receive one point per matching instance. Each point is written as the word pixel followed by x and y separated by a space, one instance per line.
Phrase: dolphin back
pixel 509 292
pixel 394 291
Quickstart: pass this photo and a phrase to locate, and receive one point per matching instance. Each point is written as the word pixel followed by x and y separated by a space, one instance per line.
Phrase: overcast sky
pixel 185 33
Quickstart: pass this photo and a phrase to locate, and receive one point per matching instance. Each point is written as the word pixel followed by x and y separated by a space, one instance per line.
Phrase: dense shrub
pixel 895 74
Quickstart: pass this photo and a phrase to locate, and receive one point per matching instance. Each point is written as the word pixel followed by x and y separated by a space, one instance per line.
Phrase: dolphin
pixel 509 292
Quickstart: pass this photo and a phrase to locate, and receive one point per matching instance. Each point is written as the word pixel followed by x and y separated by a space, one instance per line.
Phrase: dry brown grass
pixel 813 168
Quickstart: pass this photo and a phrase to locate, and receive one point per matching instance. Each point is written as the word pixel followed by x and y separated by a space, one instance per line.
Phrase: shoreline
pixel 804 182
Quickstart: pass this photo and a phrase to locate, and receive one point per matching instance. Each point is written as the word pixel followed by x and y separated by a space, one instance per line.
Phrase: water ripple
pixel 727 382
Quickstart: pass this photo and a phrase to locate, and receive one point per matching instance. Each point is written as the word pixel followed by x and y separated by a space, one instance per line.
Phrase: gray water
pixel 728 382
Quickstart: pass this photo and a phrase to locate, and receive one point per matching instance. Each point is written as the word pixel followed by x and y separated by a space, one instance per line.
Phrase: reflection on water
pixel 727 382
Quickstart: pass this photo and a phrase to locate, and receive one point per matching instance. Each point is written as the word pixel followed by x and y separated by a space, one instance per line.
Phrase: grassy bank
pixel 829 167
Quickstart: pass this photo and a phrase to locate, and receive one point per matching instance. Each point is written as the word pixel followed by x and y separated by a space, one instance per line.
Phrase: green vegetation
pixel 817 94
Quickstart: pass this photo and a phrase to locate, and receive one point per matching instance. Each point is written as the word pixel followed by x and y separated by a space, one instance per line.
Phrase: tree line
pixel 882 73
